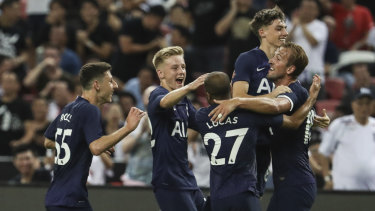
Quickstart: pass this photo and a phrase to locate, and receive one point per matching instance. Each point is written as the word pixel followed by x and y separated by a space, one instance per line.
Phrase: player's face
pixel 278 64
pixel 107 87
pixel 275 34
pixel 172 72
pixel 362 108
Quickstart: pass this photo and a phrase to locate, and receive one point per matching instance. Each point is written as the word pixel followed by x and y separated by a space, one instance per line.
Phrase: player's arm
pixel 104 143
pixel 175 96
pixel 240 89
pixel 299 116
pixel 49 144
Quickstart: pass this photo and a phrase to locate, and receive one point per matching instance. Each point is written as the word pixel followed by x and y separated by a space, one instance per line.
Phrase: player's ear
pixel 160 73
pixel 261 32
pixel 290 69
pixel 96 85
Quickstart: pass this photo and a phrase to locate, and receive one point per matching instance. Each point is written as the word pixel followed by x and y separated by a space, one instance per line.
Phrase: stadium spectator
pixel 137 85
pixel 70 61
pixel 311 34
pixel 350 141
pixel 12 35
pixel 46 72
pixel 208 46
pixel 101 168
pixel 236 24
pixel 353 23
pixel 171 114
pixel 107 10
pixel 138 172
pixel 35 127
pixel 138 38
pixel 77 135
pixel 94 38
pixel 28 165
pixel 13 112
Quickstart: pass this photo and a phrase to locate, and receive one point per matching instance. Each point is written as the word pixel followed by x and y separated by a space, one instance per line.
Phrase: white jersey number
pixel 240 133
pixel 309 124
pixel 64 146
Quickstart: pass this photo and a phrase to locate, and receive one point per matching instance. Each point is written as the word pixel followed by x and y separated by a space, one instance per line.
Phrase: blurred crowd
pixel 43 44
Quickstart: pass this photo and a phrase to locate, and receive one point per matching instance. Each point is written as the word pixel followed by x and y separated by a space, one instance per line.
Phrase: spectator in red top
pixel 353 23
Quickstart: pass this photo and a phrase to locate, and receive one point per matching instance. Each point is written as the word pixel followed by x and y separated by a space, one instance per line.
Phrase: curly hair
pixel 265 17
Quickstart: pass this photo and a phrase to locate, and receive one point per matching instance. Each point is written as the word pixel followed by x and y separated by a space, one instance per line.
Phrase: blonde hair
pixel 165 53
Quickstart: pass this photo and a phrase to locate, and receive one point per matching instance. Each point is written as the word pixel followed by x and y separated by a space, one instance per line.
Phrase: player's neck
pixel 89 96
pixel 268 49
pixel 286 81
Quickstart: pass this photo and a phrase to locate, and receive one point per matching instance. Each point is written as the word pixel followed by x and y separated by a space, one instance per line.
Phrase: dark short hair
pixel 93 2
pixel 92 71
pixel 265 17
pixel 59 2
pixel 298 58
pixel 157 10
pixel 7 3
pixel 217 84
pixel 24 148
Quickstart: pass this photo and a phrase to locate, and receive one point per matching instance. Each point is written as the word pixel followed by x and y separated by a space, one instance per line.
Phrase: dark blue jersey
pixel 252 66
pixel 169 142
pixel 73 130
pixel 289 148
pixel 231 149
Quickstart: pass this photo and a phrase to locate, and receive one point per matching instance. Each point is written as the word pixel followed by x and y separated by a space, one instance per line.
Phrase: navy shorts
pixel 246 201
pixel 263 157
pixel 60 208
pixel 181 200
pixel 296 198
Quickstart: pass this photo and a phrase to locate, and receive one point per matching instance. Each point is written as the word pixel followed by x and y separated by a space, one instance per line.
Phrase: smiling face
pixel 107 86
pixel 274 34
pixel 172 72
pixel 279 64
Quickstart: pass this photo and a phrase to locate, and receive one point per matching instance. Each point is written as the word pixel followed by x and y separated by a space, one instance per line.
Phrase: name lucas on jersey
pixel 227 121
pixel 180 127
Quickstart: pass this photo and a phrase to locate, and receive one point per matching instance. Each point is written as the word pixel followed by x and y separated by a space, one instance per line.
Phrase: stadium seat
pixel 329 105
pixel 334 88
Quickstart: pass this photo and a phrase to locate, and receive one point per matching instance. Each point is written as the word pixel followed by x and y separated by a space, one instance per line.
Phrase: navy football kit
pixel 73 130
pixel 231 149
pixel 252 66
pixel 171 176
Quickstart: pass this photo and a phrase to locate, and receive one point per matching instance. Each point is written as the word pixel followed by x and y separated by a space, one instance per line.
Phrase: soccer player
pixel 231 143
pixel 170 114
pixel 77 135
pixel 249 77
pixel 294 181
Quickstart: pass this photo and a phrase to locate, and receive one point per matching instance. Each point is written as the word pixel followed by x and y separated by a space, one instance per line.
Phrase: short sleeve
pixel 154 100
pixel 51 130
pixel 192 118
pixel 291 97
pixel 91 123
pixel 243 68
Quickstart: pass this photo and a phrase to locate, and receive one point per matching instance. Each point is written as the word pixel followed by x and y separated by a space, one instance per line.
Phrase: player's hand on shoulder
pixel 322 121
pixel 224 108
pixel 134 116
pixel 197 82
pixel 280 90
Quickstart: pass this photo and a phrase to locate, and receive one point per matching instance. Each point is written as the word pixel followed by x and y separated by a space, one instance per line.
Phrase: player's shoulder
pixel 158 91
pixel 202 114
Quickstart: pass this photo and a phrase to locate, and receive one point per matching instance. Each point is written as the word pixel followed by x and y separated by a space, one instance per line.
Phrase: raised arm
pixel 299 116
pixel 173 97
pixel 106 142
